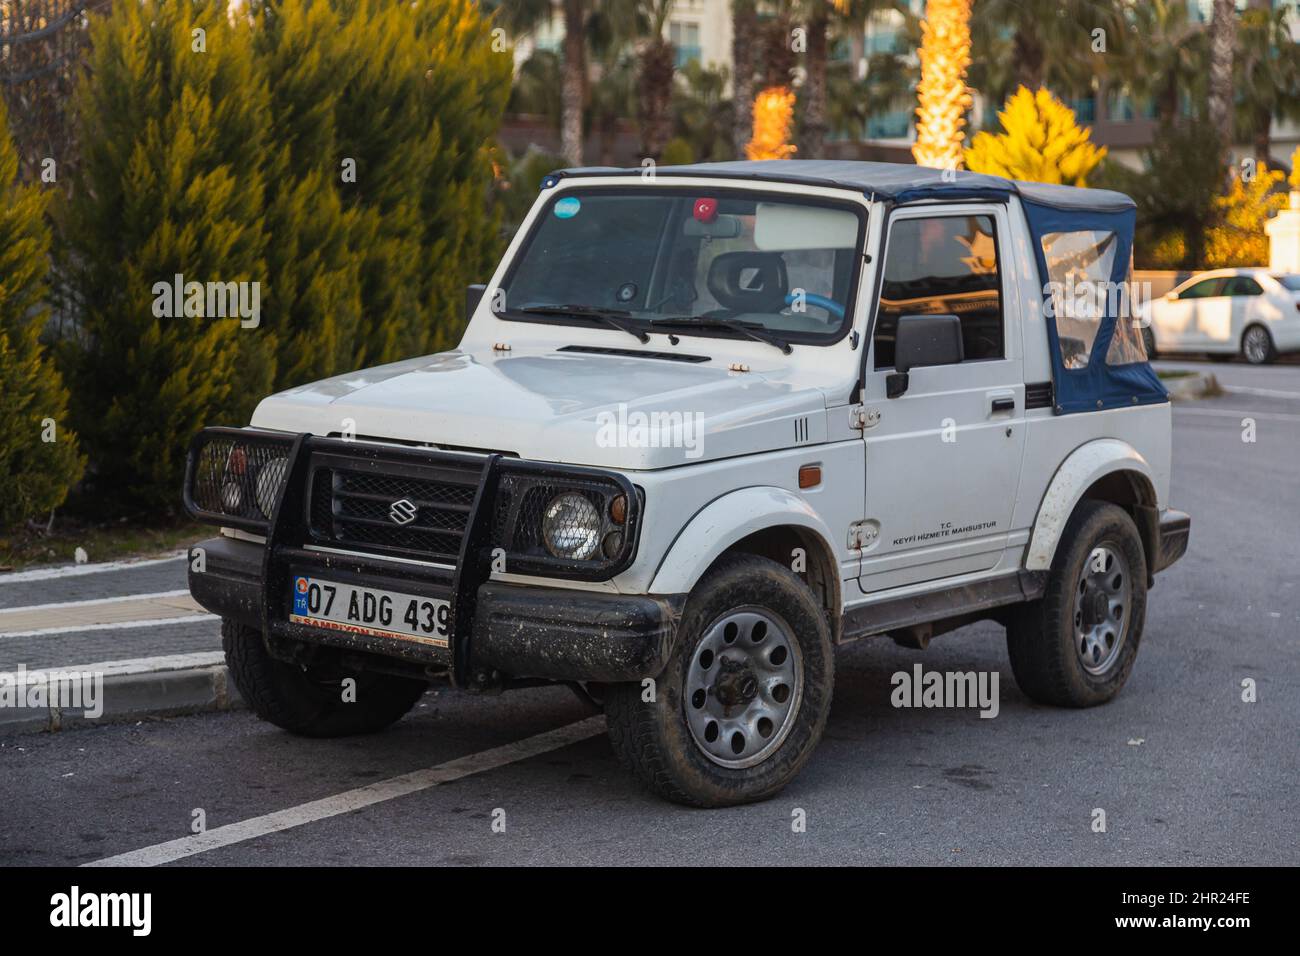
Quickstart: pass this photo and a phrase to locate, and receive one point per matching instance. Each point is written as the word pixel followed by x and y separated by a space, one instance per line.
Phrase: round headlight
pixel 232 497
pixel 571 527
pixel 268 483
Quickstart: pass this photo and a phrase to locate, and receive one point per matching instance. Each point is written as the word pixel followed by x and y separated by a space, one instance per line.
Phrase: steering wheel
pixel 821 301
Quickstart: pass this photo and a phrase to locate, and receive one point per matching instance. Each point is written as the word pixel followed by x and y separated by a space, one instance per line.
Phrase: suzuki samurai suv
pixel 706 423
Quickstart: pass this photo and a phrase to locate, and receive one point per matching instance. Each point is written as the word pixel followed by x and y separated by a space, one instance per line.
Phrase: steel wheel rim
pixel 737 724
pixel 1257 344
pixel 1101 609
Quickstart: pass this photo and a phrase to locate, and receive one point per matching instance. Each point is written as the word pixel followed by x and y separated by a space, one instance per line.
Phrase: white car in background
pixel 1251 312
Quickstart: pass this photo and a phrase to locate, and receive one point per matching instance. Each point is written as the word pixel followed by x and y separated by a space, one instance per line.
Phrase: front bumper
pixel 518 631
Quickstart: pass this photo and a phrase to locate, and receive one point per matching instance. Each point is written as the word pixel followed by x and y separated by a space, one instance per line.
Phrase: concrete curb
pixel 1190 387
pixel 56 698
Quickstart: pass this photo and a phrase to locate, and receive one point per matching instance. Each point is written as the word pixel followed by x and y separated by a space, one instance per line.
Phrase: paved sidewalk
pixel 98 614
pixel 110 611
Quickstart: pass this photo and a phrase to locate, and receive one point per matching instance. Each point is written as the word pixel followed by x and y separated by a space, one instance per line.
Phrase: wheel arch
pixel 769 522
pixel 1104 470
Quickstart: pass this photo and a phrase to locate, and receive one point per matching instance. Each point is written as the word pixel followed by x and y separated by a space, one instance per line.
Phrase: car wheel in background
pixel 1149 343
pixel 1257 345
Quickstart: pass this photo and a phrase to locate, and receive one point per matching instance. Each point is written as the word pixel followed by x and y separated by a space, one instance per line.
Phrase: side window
pixel 945 265
pixel 1126 343
pixel 1242 285
pixel 1203 290
pixel 1079 270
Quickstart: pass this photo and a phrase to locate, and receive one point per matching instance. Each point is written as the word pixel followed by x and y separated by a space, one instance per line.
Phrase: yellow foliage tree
pixel 1040 142
pixel 942 95
pixel 773 113
pixel 1239 239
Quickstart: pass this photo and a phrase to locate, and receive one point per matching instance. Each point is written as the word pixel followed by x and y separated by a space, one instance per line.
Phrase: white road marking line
pixel 142 665
pixel 114 626
pixel 359 798
pixel 1237 414
pixel 108 600
pixel 76 570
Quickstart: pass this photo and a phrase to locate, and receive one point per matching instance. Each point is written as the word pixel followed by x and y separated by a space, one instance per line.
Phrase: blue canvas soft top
pixel 896 181
pixel 1048 209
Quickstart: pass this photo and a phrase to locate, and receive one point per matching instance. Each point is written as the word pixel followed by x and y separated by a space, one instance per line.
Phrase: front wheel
pixel 313 701
pixel 1075 646
pixel 1257 345
pixel 745 695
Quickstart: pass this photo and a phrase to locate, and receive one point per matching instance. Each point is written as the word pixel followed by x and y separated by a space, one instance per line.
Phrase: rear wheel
pixel 313 701
pixel 744 698
pixel 1149 343
pixel 1257 345
pixel 1075 646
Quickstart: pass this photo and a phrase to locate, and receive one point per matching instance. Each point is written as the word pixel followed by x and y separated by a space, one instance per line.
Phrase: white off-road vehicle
pixel 702 427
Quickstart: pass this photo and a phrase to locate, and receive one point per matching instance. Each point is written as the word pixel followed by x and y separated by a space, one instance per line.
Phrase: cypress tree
pixel 172 118
pixel 39 460
pixel 314 299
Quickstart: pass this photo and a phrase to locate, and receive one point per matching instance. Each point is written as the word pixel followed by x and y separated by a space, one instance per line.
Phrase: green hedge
pixel 39 461
pixel 336 153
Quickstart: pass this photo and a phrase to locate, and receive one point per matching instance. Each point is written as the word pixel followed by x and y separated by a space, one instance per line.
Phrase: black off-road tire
pixel 1041 634
pixel 654 741
pixel 309 702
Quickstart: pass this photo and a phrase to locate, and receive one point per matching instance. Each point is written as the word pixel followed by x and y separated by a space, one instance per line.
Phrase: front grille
pixel 415 515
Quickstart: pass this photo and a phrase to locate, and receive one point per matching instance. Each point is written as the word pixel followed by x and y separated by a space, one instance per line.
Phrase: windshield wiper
pixel 748 329
pixel 611 317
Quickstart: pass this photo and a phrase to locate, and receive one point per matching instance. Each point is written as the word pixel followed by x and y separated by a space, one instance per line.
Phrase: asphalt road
pixel 1186 772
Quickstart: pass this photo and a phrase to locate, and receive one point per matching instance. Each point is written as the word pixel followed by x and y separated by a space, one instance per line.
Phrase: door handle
pixel 1004 404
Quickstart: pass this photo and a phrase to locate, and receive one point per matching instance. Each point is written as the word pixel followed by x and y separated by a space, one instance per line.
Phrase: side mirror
pixel 473 296
pixel 1171 296
pixel 923 340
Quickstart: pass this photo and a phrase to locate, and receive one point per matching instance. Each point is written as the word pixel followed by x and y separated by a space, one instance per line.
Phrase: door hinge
pixel 862 418
pixel 863 534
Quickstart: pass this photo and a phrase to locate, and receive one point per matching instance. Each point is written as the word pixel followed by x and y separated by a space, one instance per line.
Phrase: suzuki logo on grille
pixel 402 511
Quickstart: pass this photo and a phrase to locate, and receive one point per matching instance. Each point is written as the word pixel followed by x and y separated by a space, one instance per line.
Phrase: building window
pixel 685 38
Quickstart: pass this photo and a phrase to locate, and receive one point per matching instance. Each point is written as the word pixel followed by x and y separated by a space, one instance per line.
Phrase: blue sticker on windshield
pixel 567 207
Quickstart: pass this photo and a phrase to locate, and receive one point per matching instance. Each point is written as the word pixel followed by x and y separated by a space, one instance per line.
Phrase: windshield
pixel 668 260
pixel 1291 282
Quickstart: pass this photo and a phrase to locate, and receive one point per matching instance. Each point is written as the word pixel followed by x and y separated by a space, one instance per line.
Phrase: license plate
pixel 360 610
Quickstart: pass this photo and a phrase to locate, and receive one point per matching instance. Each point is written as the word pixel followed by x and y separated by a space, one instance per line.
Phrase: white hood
pixel 572 407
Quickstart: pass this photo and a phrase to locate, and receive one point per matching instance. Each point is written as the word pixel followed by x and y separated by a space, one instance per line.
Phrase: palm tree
pixel 1161 56
pixel 655 79
pixel 573 86
pixel 1223 37
pixel 943 97
pixel 891 78
pixel 819 18
pixel 1267 68
pixel 1037 43
pixel 744 35
pixel 702 112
